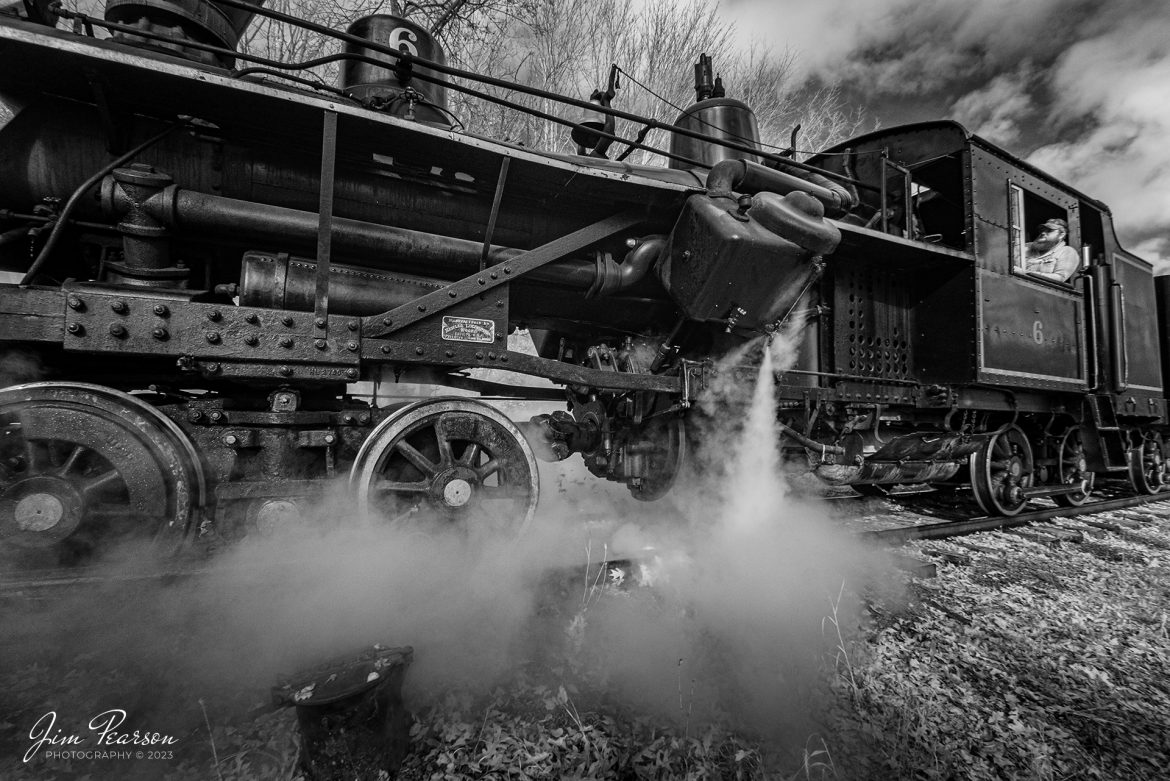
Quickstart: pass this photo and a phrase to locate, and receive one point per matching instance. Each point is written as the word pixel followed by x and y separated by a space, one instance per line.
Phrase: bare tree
pixel 568 46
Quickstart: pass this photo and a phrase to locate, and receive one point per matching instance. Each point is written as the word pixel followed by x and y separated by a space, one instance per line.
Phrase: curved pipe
pixel 612 277
pixel 746 177
pixel 811 444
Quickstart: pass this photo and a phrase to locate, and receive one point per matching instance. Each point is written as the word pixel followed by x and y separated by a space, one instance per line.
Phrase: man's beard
pixel 1043 244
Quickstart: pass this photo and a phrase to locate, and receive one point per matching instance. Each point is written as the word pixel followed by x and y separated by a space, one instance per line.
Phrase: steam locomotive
pixel 206 259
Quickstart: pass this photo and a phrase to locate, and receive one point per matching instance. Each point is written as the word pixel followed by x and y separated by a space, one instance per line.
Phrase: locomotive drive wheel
pixel 1073 470
pixel 1147 467
pixel 664 461
pixel 83 467
pixel 450 461
pixel 1001 470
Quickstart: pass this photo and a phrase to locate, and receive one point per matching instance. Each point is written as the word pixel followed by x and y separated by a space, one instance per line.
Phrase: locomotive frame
pixel 360 243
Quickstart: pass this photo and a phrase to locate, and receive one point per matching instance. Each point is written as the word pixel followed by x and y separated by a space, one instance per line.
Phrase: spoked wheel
pixel 84 468
pixel 663 461
pixel 1073 470
pixel 449 461
pixel 1001 470
pixel 1147 467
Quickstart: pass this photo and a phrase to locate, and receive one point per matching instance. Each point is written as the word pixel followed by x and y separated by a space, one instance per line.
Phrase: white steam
pixel 744 576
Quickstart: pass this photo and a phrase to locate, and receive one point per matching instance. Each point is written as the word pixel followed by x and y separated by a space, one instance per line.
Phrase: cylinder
pixel 725 119
pixel 385 87
pixel 202 21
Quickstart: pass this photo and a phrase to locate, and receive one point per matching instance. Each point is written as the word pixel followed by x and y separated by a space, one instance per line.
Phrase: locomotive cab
pixel 976 320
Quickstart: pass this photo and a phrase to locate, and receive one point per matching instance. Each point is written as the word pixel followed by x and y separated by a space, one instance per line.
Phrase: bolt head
pixel 320 344
pixel 351 373
pixel 216 416
pixel 212 337
pixel 251 340
pixel 353 325
pixel 161 310
pixel 119 307
pixel 286 341
pixel 419 351
pixel 231 440
pixel 118 330
pixel 286 371
pixel 320 322
pixel 77 329
pixel 288 321
pixel 330 439
pixel 351 346
pixel 195 416
pixel 214 316
pixel 252 318
pixel 74 302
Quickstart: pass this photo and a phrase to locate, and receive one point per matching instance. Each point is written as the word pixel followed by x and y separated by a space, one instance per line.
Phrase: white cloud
pixel 997 110
pixel 1118 85
pixel 1082 85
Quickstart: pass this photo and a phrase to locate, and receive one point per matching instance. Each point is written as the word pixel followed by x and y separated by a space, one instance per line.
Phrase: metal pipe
pixel 71 204
pixel 744 177
pixel 378 246
pixel 811 444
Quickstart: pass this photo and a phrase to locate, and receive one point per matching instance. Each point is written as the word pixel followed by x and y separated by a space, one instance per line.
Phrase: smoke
pixel 20 366
pixel 1076 87
pixel 745 580
pixel 743 577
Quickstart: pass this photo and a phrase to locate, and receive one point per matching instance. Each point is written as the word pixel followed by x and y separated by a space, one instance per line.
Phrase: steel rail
pixel 937 531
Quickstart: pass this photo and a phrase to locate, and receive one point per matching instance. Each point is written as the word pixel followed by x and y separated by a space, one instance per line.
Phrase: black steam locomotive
pixel 207 250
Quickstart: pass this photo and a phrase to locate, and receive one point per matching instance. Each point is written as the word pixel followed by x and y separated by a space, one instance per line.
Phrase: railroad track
pixel 961 526
pixel 41 582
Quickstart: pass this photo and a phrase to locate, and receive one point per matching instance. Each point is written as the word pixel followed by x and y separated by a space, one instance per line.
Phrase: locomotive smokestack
pixel 717 116
pixel 182 22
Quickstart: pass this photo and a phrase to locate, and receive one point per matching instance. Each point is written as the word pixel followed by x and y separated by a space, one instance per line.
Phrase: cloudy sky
pixel 1080 88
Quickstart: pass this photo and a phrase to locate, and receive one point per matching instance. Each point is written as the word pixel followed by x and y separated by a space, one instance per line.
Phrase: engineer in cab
pixel 1049 256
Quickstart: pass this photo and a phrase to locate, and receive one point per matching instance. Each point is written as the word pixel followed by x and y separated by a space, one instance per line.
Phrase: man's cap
pixel 1055 223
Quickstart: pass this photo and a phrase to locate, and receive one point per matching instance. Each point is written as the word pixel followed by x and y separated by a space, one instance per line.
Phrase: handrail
pixel 1091 333
pixel 409 59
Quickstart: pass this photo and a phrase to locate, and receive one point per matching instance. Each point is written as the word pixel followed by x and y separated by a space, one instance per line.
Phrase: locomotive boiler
pixel 208 250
